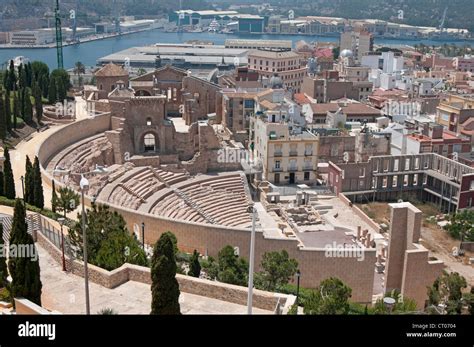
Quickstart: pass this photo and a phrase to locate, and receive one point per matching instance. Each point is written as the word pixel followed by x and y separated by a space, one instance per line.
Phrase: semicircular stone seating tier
pixel 220 200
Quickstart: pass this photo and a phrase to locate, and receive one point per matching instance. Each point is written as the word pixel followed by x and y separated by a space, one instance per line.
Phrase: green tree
pixel 28 107
pixel 461 225
pixel 67 200
pixel 11 81
pixel 54 197
pixel 8 111
pixel 29 182
pixel 117 249
pixel 38 185
pixel 109 243
pixel 16 109
pixel 62 83
pixel 194 266
pixel 8 180
pixel 52 91
pixel 24 268
pixel 3 121
pixel 330 297
pixel 232 268
pixel 165 288
pixel 79 69
pixel 278 268
pixel 447 290
pixel 3 261
pixel 402 304
pixel 210 267
pixel 38 103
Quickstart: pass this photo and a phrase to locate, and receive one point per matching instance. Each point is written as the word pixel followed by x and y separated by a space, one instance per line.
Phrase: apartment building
pixel 358 42
pixel 456 113
pixel 286 157
pixel 288 65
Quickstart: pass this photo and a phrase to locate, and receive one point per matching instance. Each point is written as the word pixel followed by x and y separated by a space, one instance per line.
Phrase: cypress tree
pixel 22 82
pixel 6 80
pixel 22 94
pixel 38 102
pixel 3 122
pixel 16 109
pixel 24 268
pixel 54 198
pixel 29 182
pixel 8 181
pixel 8 111
pixel 38 185
pixel 3 262
pixel 12 76
pixel 2 179
pixel 28 107
pixel 44 85
pixel 52 91
pixel 165 287
pixel 61 89
pixel 194 266
pixel 29 74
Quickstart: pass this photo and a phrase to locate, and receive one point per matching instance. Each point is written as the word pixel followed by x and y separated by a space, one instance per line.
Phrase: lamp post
pixel 252 260
pixel 298 275
pixel 389 303
pixel 61 221
pixel 84 184
pixel 143 235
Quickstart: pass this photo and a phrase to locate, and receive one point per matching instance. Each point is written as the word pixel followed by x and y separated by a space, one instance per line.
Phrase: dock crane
pixel 59 37
pixel 443 20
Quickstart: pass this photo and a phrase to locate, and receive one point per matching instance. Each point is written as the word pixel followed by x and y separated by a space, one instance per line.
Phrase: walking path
pixel 64 292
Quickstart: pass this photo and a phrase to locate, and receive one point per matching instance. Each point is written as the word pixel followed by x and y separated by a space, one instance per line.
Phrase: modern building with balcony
pixel 287 157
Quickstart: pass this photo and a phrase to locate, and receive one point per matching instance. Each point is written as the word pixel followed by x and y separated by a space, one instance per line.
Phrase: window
pixel 395 181
pixel 149 143
pixel 306 176
pixel 277 164
pixel 148 121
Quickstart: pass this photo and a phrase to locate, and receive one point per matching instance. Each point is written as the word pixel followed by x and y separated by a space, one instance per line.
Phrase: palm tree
pixel 79 69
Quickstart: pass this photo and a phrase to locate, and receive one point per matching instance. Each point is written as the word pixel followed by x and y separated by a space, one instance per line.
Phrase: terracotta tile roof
pixel 111 69
pixel 301 99
pixel 350 109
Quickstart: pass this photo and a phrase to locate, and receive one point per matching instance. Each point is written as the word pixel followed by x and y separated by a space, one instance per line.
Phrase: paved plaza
pixel 64 292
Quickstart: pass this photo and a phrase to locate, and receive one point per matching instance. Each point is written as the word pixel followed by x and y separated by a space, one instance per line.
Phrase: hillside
pixel 460 13
pixel 89 11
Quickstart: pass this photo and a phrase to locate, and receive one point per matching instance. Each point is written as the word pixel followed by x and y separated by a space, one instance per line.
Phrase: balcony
pixel 293 153
pixel 308 153
pixel 278 154
pixel 292 168
pixel 308 168
pixel 277 169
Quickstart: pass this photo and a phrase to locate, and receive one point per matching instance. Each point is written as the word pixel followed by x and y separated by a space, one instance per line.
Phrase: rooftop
pixel 349 109
pixel 273 54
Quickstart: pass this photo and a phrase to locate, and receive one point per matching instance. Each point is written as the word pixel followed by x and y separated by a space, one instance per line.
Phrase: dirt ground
pixel 434 238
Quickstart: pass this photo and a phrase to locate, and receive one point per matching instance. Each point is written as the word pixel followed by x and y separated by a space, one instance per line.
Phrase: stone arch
pixel 149 141
pixel 142 92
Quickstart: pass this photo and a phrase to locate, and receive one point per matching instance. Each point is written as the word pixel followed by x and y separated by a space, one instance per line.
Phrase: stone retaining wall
pixel 129 272
pixel 360 213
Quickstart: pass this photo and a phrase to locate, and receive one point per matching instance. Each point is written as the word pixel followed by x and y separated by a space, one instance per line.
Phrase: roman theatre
pixel 162 169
